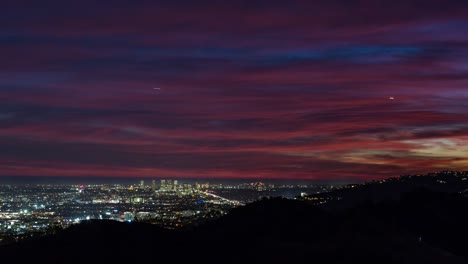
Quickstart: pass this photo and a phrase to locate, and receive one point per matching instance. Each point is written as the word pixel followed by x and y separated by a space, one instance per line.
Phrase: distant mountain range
pixel 411 219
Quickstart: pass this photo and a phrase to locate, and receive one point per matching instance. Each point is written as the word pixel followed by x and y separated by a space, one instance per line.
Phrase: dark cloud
pixel 247 89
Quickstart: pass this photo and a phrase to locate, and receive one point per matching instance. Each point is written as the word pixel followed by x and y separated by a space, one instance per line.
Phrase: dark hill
pixel 350 196
pixel 272 231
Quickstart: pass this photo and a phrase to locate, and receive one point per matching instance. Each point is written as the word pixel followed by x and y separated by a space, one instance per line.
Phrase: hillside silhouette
pixel 392 189
pixel 421 226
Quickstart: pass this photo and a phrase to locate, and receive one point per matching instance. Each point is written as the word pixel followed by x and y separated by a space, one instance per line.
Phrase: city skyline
pixel 90 180
pixel 325 91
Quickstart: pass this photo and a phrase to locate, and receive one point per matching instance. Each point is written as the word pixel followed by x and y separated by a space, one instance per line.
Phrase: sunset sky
pixel 247 89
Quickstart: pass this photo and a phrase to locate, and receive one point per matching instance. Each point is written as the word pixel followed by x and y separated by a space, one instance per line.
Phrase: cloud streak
pixel 261 90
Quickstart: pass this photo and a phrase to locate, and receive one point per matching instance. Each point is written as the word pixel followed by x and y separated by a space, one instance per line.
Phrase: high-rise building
pixel 169 185
pixel 175 185
pixel 163 185
pixel 153 185
pixel 142 183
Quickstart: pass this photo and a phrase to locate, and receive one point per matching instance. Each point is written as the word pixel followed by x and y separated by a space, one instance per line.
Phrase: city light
pixel 169 203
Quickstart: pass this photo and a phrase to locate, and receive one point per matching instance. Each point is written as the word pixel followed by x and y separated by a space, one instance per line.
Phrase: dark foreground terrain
pixel 421 227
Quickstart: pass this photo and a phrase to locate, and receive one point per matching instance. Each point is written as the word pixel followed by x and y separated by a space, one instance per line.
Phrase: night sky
pixel 246 89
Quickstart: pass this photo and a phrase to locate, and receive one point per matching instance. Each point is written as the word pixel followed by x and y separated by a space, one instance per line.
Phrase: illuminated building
pixel 163 185
pixel 169 185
